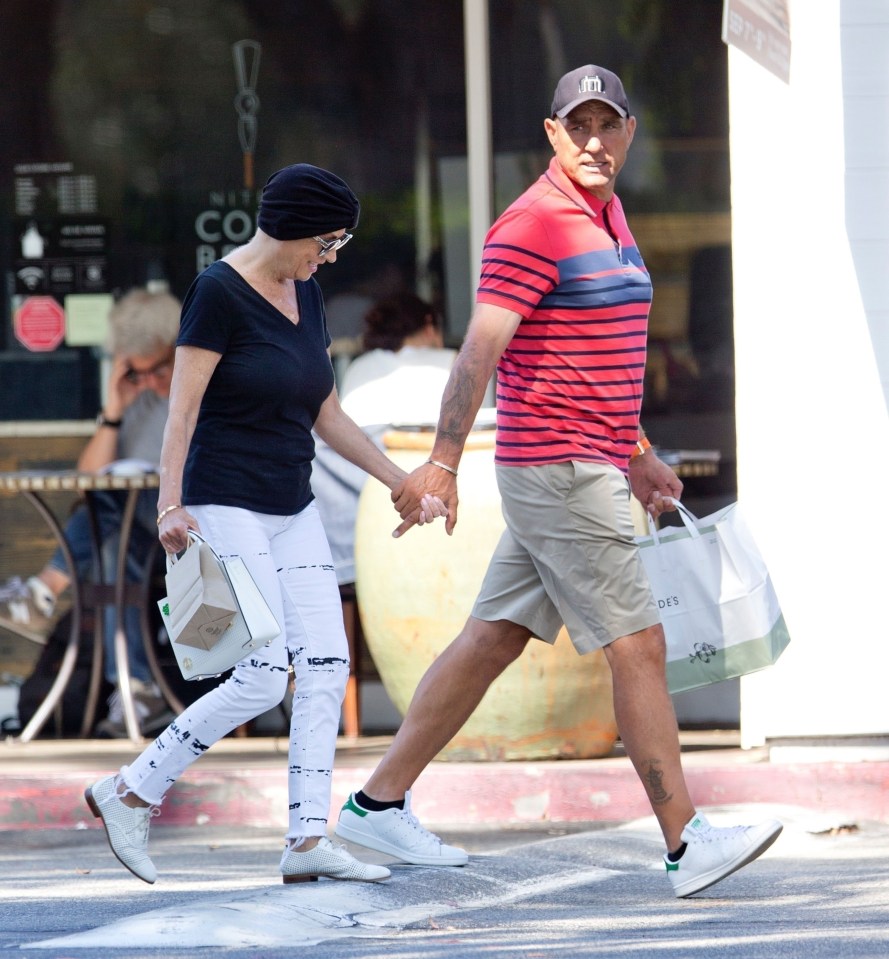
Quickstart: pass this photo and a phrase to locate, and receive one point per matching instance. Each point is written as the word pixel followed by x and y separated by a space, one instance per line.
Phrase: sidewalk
pixel 242 781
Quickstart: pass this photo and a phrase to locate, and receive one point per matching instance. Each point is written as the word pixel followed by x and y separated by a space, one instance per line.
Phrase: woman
pixel 252 378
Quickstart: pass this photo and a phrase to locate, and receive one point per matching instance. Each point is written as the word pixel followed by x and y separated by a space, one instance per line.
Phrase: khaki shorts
pixel 567 556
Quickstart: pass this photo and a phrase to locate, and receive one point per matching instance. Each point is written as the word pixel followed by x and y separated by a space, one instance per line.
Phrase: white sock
pixel 43 596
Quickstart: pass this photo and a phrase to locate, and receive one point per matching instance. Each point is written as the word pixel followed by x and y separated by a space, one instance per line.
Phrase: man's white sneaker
pixel 126 828
pixel 328 859
pixel 712 853
pixel 398 833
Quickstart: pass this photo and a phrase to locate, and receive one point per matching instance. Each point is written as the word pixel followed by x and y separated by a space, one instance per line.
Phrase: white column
pixel 813 431
pixel 478 129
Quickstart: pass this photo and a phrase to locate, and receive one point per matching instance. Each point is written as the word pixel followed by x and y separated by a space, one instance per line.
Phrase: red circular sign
pixel 39 324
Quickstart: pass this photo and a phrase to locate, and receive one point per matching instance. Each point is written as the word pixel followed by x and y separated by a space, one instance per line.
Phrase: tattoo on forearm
pixel 462 399
pixel 654 779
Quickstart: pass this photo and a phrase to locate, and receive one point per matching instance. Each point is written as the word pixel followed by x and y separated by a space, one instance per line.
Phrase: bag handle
pixel 688 519
pixel 195 537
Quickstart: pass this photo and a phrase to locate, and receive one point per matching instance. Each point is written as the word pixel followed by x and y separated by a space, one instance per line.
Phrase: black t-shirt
pixel 252 446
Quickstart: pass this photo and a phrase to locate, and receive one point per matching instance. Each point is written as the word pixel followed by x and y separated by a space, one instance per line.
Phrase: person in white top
pixel 397 381
pixel 400 377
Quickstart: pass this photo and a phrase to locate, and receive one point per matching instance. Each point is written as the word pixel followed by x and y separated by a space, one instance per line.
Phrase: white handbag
pixel 221 643
pixel 718 606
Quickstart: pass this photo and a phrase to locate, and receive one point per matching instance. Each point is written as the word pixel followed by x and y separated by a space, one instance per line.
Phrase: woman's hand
pixel 430 508
pixel 173 529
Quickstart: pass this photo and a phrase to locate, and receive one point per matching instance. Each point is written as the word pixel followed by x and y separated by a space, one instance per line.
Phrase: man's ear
pixel 631 129
pixel 551 128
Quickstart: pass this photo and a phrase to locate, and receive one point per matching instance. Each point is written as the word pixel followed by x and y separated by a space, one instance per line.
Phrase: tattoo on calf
pixel 654 780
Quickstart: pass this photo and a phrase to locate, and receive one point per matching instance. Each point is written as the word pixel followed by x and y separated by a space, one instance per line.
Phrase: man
pixel 561 311
pixel 142 335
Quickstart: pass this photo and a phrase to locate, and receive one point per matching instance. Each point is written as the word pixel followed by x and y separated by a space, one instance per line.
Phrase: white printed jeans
pixel 289 558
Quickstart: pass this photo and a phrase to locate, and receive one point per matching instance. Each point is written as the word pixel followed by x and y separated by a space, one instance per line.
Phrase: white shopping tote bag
pixel 718 606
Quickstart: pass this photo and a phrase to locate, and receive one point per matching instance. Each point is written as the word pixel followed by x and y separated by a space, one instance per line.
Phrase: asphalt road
pixel 821 891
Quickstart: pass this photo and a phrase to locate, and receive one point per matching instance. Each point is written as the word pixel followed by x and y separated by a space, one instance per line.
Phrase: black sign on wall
pixel 58 243
pixel 60 255
pixel 58 246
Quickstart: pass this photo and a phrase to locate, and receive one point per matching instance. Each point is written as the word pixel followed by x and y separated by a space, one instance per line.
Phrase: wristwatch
pixel 103 420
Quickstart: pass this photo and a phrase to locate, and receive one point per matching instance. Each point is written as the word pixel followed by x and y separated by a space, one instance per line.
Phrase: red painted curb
pixel 469 793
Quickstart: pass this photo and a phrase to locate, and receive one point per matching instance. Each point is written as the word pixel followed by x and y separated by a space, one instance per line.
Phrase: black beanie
pixel 303 200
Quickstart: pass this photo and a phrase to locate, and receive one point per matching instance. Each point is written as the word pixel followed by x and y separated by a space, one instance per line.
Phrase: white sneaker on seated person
pixel 152 711
pixel 27 608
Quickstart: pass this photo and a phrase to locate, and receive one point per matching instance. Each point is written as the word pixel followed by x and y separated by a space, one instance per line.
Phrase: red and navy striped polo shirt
pixel 569 385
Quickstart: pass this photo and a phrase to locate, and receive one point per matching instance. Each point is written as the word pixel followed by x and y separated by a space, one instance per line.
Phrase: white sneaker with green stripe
pixel 398 833
pixel 712 853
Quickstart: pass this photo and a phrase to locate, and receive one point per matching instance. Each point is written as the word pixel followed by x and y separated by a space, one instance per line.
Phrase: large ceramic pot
pixel 415 594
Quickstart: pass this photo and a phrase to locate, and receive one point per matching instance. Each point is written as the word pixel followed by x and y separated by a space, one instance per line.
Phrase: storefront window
pixel 674 188
pixel 143 132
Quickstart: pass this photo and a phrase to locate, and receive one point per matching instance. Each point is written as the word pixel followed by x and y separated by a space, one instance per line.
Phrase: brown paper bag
pixel 199 598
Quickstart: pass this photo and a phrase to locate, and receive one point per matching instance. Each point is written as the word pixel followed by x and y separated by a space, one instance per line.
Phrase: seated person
pixel 142 335
pixel 398 380
pixel 401 373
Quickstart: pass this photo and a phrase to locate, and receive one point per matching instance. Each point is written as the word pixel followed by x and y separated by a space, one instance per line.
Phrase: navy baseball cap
pixel 589 83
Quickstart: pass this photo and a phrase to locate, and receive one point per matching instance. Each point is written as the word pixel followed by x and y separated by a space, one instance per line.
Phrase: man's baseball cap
pixel 589 83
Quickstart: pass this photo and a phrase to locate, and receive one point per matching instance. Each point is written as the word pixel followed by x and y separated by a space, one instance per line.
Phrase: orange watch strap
pixel 641 447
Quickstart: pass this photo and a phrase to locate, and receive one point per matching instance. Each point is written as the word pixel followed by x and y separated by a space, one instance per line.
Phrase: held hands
pixel 174 524
pixel 654 484
pixel 426 493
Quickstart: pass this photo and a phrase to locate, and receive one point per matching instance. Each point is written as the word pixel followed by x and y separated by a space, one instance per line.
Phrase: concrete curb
pixel 249 788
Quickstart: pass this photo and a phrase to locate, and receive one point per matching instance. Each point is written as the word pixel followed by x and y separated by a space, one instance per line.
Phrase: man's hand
pixel 120 391
pixel 426 493
pixel 654 483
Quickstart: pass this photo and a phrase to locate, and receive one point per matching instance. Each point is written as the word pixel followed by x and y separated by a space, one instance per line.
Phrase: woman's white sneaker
pixel 126 828
pixel 330 860
pixel 398 833
pixel 712 853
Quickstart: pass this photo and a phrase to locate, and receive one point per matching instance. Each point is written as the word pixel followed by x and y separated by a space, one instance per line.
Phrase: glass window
pixel 151 127
pixel 675 187
pixel 143 132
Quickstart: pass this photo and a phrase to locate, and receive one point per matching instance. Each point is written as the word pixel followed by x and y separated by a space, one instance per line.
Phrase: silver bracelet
pixel 443 466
